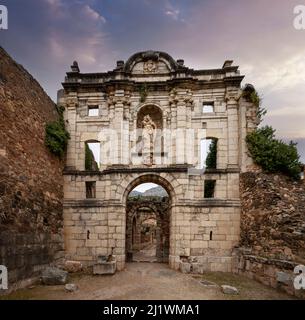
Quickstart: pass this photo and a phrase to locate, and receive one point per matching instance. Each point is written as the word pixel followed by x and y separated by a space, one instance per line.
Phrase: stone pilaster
pixel 70 119
pixel 233 141
pixel 119 112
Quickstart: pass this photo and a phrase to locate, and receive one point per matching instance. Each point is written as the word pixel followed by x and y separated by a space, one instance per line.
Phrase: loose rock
pixel 71 287
pixel 54 276
pixel 229 289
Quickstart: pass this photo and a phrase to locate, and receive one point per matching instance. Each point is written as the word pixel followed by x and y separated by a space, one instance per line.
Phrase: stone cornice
pixel 209 203
pixel 190 83
pixel 205 203
pixel 127 170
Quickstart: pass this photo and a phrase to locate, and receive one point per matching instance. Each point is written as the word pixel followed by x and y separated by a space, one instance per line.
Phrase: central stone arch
pixel 162 210
pixel 152 178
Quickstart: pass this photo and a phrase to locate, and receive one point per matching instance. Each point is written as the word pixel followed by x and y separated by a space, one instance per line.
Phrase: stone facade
pixel 31 183
pixel 146 100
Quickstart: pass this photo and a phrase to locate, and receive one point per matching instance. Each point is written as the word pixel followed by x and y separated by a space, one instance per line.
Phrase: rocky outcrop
pixel 30 176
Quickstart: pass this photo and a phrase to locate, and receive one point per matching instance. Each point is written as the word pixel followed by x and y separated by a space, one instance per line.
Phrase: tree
pixel 90 163
pixel 211 160
pixel 273 155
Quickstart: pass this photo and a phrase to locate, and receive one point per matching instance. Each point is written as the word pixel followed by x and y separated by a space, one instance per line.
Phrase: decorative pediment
pixel 151 62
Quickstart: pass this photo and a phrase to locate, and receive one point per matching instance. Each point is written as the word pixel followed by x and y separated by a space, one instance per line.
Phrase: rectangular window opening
pixel 208 107
pixel 208 153
pixel 92 155
pixel 90 189
pixel 93 111
pixel 209 188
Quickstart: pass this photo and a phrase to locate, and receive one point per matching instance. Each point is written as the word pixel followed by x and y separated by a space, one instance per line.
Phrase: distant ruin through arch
pixel 155 245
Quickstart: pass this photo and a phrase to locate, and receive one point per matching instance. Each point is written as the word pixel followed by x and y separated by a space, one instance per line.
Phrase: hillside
pixel 153 192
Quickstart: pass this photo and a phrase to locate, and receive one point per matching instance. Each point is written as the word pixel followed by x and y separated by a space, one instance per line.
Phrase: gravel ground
pixel 151 281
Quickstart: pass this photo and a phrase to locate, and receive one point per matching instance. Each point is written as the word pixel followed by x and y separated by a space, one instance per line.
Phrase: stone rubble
pixel 272 230
pixel 273 216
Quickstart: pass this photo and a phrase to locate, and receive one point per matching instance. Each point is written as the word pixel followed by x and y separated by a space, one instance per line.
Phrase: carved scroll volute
pixel 72 102
pixel 188 99
pixel 232 97
pixel 173 98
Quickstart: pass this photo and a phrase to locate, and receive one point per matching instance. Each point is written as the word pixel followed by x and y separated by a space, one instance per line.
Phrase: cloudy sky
pixel 47 35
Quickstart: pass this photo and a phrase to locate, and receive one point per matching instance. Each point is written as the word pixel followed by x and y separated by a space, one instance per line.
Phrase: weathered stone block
pixel 283 277
pixel 104 268
pixel 185 267
pixel 54 276
pixel 73 266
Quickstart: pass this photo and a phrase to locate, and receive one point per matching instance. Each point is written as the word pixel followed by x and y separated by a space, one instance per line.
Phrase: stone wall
pixel 30 176
pixel 272 229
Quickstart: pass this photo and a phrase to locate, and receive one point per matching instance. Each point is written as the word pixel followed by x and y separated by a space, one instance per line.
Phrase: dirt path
pixel 147 254
pixel 150 281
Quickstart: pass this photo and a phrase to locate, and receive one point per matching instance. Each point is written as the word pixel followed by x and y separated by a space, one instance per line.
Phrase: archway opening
pixel 147 223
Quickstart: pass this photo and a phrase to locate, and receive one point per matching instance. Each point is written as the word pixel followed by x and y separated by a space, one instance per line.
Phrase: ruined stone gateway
pixel 147 119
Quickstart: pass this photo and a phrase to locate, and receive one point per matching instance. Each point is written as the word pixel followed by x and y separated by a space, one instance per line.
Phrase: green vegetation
pixel 211 160
pixel 273 155
pixel 90 163
pixel 56 135
pixel 251 95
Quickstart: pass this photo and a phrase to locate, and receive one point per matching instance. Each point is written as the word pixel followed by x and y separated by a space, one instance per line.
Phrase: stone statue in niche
pixel 148 139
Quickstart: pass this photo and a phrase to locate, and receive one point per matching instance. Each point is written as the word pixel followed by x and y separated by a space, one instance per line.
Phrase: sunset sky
pixel 45 36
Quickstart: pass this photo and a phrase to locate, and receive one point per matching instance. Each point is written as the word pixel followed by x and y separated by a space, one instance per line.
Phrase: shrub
pixel 56 135
pixel 273 155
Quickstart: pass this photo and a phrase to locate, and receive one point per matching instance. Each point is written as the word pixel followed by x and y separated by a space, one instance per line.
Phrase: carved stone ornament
pixel 150 66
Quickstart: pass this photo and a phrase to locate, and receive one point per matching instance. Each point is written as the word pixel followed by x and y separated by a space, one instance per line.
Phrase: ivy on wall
pixel 56 135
